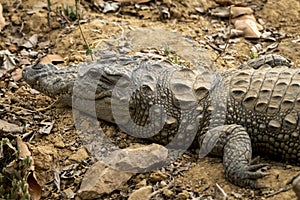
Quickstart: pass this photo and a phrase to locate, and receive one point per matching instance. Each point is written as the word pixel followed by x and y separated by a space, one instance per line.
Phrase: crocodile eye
pixel 37 66
pixel 94 73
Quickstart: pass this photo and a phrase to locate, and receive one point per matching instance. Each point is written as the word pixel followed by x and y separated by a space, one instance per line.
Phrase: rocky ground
pixel 60 159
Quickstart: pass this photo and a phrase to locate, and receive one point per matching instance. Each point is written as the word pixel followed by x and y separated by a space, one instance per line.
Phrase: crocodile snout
pixel 33 73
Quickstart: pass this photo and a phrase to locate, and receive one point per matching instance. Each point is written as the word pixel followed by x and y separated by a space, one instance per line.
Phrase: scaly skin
pixel 232 113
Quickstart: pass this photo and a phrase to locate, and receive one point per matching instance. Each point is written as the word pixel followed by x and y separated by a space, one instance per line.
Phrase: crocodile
pixel 232 113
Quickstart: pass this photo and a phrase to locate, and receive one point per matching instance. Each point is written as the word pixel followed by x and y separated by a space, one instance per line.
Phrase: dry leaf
pixel 7 62
pixel 2 20
pixel 34 188
pixel 52 59
pixel 44 45
pixel 47 127
pixel 31 42
pixel 23 149
pixel 17 74
pixel 13 48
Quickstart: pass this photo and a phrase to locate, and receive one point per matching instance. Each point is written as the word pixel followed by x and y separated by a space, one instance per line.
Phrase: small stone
pixel 33 54
pixel 142 193
pixel 58 142
pixel 168 193
pixel 80 155
pixel 55 196
pixel 142 183
pixel 158 176
pixel 237 195
pixel 138 159
pixel 288 166
pixel 9 127
pixel 13 85
pixel 163 183
pixel 15 19
pixel 69 193
pixel 183 195
pixel 200 10
pixel 44 156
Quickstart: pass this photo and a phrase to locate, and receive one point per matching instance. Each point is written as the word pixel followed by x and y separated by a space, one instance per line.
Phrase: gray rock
pixel 139 159
pixel 114 171
pixel 9 127
pixel 100 179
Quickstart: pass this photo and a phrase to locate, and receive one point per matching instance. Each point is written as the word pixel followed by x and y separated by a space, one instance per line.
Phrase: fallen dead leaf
pixel 23 149
pixel 44 45
pixel 13 48
pixel 17 74
pixel 34 188
pixel 52 59
pixel 31 42
pixel 47 127
pixel 7 62
pixel 2 20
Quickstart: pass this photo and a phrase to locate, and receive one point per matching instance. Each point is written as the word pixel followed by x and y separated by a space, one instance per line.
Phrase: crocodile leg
pixel 233 142
pixel 271 60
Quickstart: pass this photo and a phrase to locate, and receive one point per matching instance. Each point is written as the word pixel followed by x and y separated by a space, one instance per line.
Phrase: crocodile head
pixel 78 86
pixel 50 79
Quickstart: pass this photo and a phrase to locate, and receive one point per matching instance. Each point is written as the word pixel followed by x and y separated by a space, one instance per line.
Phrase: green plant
pixel 14 171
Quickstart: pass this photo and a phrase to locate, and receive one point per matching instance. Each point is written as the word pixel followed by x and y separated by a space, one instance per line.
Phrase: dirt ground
pixel 61 147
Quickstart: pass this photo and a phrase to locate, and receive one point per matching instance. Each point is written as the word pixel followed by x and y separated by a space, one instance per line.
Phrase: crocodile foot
pixel 234 144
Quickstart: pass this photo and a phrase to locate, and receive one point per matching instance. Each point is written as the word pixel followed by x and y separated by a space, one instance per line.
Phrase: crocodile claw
pixel 246 176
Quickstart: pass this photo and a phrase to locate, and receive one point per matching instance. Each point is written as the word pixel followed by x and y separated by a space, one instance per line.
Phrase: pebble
pixel 168 193
pixel 69 193
pixel 15 19
pixel 79 155
pixel 183 195
pixel 163 183
pixel 158 176
pixel 142 193
pixel 142 183
pixel 12 85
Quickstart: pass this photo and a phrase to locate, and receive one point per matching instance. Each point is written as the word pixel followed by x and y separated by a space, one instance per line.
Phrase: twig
pixel 49 13
pixel 17 107
pixel 48 107
pixel 279 191
pixel 31 111
pixel 162 189
pixel 81 32
pixel 227 39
